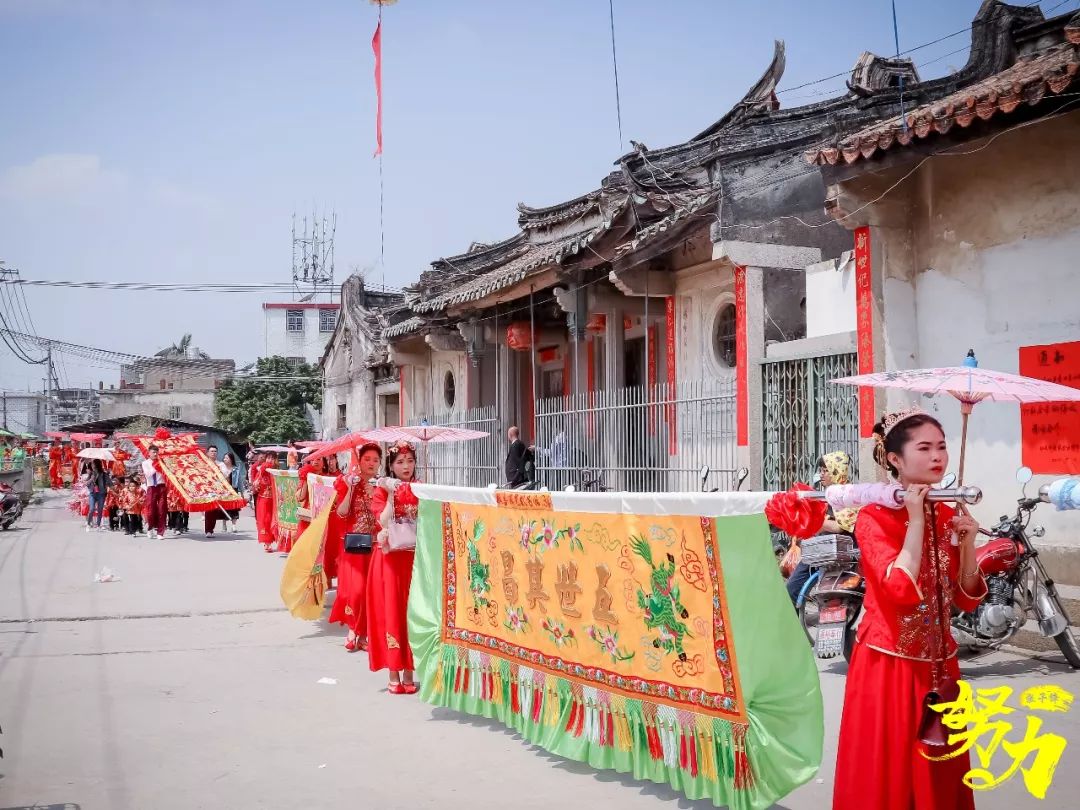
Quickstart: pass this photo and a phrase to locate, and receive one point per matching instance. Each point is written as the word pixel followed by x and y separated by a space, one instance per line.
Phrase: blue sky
pixel 172 140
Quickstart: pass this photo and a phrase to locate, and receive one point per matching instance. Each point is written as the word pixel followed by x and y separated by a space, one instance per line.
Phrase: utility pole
pixel 48 387
pixel 5 410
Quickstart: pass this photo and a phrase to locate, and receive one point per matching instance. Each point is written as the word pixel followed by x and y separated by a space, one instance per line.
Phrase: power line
pixel 615 66
pixel 932 42
pixel 268 287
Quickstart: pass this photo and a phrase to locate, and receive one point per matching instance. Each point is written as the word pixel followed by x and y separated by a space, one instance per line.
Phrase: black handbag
pixel 358 543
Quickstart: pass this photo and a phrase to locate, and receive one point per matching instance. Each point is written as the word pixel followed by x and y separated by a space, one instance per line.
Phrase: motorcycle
pixel 1018 587
pixel 11 507
pixel 832 598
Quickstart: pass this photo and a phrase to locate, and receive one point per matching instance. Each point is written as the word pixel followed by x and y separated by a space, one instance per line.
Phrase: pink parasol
pixel 970 385
pixel 423 433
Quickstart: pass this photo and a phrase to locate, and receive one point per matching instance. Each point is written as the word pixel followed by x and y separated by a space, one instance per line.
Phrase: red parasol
pixel 346 443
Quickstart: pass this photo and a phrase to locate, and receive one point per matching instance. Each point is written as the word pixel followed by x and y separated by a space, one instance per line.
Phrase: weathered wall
pixel 988 262
pixel 195 406
pixel 700 295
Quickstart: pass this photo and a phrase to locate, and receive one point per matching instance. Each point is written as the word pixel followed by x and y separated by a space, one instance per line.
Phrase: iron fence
pixel 639 439
pixel 474 463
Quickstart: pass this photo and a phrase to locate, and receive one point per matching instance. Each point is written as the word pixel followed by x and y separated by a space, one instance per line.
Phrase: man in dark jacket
pixel 515 459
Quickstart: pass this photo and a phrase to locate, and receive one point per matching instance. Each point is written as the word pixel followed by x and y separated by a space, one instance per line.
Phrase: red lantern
pixel 518 336
pixel 597 324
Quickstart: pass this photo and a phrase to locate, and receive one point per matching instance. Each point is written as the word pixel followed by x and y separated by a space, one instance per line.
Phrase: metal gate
pixel 804 416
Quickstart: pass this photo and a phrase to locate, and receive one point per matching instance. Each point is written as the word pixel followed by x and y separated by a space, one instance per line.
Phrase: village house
pixel 167 386
pixel 966 220
pixel 693 307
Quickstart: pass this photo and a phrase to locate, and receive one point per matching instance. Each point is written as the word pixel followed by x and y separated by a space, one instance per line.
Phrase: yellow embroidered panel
pixel 632 603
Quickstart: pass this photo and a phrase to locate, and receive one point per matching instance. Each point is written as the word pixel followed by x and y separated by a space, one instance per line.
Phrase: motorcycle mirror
pixel 1024 474
pixel 948 481
pixel 741 476
pixel 704 472
pixel 569 488
pixel 816 479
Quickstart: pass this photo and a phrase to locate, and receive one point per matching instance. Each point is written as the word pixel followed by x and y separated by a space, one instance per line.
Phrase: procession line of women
pixel 367 551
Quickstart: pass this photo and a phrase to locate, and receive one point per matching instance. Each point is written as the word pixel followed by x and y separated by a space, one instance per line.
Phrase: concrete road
pixel 184 685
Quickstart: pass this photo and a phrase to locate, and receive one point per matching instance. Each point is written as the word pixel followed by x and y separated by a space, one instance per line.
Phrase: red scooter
pixel 1018 586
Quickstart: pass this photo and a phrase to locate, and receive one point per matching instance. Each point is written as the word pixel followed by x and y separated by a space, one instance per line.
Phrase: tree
pixel 271 408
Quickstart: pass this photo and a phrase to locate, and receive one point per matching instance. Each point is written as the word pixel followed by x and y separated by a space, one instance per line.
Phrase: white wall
pixel 309 344
pixel 830 297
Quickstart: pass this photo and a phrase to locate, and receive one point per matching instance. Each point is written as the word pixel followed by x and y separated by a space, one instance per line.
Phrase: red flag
pixel 376 45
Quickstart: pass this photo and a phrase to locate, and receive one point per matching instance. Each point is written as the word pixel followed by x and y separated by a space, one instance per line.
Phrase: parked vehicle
pixel 1018 586
pixel 831 601
pixel 592 481
pixel 11 507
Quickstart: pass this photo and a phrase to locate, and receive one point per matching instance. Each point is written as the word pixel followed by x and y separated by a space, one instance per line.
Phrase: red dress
pixel 388 591
pixel 350 603
pixel 56 458
pixel 264 505
pixel 880 763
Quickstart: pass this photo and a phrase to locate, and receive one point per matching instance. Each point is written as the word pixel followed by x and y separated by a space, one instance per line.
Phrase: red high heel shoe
pixel 396 688
pixel 411 688
pixel 351 645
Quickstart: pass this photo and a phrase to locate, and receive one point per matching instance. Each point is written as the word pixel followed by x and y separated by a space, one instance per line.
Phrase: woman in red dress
pixel 263 485
pixel 354 500
pixel 909 557
pixel 391 574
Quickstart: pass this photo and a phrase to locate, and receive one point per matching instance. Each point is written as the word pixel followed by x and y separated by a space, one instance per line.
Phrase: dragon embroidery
pixel 663 607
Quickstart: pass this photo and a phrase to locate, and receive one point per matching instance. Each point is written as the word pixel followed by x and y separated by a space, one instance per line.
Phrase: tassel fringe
pixel 695 744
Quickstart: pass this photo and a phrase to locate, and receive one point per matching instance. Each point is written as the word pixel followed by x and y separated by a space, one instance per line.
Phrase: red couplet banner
pixel 1050 431
pixel 864 324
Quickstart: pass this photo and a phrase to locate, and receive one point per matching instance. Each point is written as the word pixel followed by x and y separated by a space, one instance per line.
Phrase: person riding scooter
pixel 833 468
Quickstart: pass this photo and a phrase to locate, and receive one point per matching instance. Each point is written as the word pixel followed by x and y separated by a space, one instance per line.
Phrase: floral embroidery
pixel 516 620
pixel 348 611
pixel 559 633
pixel 392 643
pixel 608 642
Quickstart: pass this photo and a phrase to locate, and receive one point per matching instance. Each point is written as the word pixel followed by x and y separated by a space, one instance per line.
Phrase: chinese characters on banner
pixel 864 324
pixel 673 429
pixel 1051 430
pixel 742 390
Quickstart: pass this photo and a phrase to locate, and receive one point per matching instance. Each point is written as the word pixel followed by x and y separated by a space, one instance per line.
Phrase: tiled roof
pixel 682 212
pixel 511 273
pixel 1026 82
pixel 405 327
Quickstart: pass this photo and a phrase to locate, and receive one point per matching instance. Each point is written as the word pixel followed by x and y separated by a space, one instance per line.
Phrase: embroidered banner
pixel 303 581
pixel 648 634
pixel 200 483
pixel 286 520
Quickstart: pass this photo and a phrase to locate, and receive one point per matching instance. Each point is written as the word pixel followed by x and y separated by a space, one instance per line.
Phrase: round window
pixel 724 337
pixel 449 389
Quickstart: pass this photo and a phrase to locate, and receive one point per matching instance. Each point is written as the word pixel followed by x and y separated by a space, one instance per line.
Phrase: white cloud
pixel 62 177
pixel 175 196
